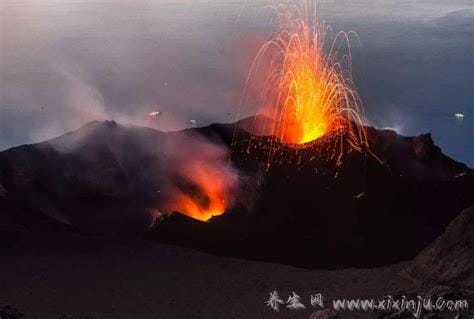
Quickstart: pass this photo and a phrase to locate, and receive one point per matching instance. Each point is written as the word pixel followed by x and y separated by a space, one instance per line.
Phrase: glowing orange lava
pixel 306 93
pixel 308 90
pixel 202 182
pixel 202 193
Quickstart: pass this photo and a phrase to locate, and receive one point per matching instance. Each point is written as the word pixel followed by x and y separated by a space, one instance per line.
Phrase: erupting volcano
pixel 308 91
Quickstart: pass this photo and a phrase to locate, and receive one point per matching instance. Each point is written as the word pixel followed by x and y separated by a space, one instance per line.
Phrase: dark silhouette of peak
pixel 257 125
pixel 463 17
pixel 101 177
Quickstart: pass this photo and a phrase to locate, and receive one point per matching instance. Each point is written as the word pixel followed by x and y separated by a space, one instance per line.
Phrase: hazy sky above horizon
pixel 65 63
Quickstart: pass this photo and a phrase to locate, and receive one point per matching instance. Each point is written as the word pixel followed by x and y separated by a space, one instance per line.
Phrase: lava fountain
pixel 308 91
pixel 202 183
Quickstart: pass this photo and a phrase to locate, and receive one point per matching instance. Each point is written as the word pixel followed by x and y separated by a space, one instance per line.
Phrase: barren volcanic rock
pixel 307 208
pixel 99 178
pixel 310 210
pixel 449 259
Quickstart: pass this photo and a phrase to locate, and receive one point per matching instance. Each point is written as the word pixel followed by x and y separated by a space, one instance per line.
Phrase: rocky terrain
pixel 71 210
pixel 65 275
pixel 306 209
pixel 449 259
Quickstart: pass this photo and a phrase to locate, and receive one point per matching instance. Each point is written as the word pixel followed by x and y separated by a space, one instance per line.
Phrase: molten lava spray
pixel 308 90
pixel 202 182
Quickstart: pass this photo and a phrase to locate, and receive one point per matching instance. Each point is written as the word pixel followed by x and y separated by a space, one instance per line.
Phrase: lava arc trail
pixel 308 91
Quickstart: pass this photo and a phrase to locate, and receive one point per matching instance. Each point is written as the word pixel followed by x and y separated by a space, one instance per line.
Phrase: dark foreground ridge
pixel 448 260
pixel 303 210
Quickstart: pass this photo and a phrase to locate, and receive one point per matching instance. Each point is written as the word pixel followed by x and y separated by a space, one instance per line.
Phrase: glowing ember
pixel 202 193
pixel 308 89
pixel 203 183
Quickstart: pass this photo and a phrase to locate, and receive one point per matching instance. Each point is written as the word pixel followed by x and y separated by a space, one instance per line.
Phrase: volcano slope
pixel 101 178
pixel 306 208
pixel 310 210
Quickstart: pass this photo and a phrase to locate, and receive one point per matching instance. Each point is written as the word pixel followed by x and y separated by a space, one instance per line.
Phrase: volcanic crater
pixel 303 207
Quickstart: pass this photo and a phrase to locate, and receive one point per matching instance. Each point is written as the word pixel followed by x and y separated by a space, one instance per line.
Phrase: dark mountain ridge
pixel 305 209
